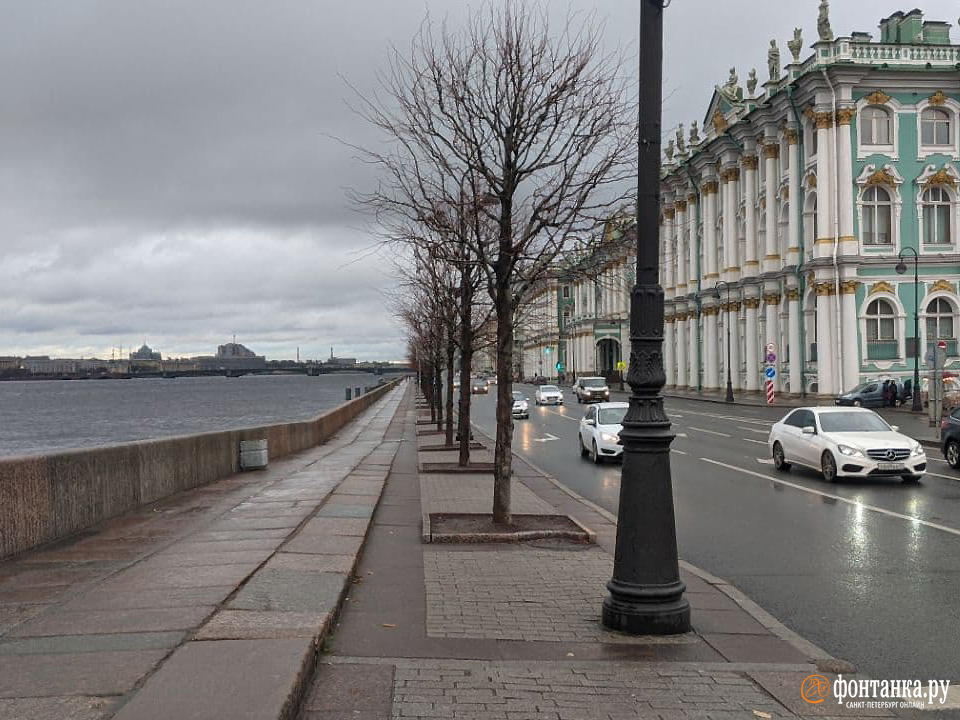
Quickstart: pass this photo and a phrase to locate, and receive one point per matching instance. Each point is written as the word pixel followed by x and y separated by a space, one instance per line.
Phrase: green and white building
pixel 783 218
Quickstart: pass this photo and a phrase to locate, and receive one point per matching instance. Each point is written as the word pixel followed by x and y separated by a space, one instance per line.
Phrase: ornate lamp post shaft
pixel 646 593
pixel 902 268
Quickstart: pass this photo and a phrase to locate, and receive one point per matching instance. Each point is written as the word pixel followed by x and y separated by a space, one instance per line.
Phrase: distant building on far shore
pixel 231 356
pixel 145 353
pixel 332 360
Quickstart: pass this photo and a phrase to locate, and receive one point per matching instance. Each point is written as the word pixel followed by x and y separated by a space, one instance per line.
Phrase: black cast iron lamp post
pixel 901 268
pixel 727 323
pixel 646 593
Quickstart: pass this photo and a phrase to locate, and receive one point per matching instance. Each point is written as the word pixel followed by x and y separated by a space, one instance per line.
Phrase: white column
pixel 731 240
pixel 681 358
pixel 693 357
pixel 692 259
pixel 825 351
pixel 752 345
pixel 726 195
pixel 771 303
pixel 710 275
pixel 824 122
pixel 793 334
pixel 733 317
pixel 669 351
pixel 771 262
pixel 850 351
pixel 793 226
pixel 845 185
pixel 711 350
pixel 751 264
pixel 681 232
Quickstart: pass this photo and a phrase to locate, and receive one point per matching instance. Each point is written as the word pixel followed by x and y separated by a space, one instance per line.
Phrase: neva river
pixel 37 417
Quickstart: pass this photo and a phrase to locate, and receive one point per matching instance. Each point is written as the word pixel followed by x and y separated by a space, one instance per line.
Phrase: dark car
pixel 479 387
pixel 869 394
pixel 950 438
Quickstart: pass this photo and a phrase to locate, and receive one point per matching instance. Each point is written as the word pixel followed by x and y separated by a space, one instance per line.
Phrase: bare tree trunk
pixel 438 385
pixel 450 348
pixel 428 392
pixel 503 455
pixel 466 361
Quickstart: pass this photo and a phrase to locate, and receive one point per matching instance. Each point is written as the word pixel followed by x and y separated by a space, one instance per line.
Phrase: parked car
pixel 478 387
pixel 845 442
pixel 600 431
pixel 521 407
pixel 591 389
pixel 869 394
pixel 950 438
pixel 492 380
pixel 950 393
pixel 548 395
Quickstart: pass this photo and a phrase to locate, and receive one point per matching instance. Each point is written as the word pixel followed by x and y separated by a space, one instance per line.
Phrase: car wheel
pixel 595 454
pixel 779 459
pixel 858 403
pixel 911 479
pixel 583 449
pixel 828 466
pixel 952 453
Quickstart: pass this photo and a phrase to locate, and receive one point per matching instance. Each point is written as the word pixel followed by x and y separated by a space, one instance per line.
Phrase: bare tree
pixel 538 123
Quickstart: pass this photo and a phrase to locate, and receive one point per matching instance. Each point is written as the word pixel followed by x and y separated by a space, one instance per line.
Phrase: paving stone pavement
pixel 473 493
pixel 512 593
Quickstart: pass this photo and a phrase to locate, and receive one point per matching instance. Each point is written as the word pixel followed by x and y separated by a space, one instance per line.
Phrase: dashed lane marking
pixel 678 452
pixel 758 442
pixel 846 501
pixel 737 418
pixel 753 430
pixel 711 432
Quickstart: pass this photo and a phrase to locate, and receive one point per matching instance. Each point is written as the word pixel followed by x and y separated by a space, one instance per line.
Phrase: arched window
pixel 813 140
pixel 566 316
pixel 940 324
pixel 876 216
pixel 881 331
pixel 936 216
pixel 935 127
pixel 875 126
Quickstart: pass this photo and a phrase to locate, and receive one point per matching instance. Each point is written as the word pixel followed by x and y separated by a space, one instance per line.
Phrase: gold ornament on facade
pixel 752 303
pixel 882 286
pixel 763 201
pixel 750 162
pixel 709 187
pixel 791 135
pixel 771 299
pixel 771 151
pixel 720 122
pixel 668 213
pixel 710 311
pixel 942 285
pixel 877 97
pixel 692 198
pixel 938 98
pixel 785 192
pixel 824 120
pixel 881 177
pixel 849 287
pixel 811 180
pixel 681 205
pixel 846 115
pixel 810 113
pixel 824 289
pixel 793 294
pixel 940 178
pixel 730 175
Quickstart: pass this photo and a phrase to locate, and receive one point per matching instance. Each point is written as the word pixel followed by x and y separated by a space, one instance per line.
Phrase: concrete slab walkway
pixel 209 604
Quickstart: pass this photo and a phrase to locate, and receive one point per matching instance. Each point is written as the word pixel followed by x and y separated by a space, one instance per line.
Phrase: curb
pixel 824 660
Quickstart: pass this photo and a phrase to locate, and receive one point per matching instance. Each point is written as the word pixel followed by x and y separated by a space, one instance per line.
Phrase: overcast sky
pixel 166 173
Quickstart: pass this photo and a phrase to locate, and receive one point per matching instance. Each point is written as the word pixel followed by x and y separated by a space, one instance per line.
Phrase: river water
pixel 37 417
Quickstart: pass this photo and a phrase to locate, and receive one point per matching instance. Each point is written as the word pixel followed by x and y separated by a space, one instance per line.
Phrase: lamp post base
pixel 646 611
pixel 729 391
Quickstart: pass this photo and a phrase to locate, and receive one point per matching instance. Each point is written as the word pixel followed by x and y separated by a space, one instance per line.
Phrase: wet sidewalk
pixel 504 631
pixel 209 604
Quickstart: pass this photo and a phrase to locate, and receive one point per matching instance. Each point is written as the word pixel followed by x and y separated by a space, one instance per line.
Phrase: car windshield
pixel 852 422
pixel 612 416
pixel 518 395
pixel 550 388
pixel 593 382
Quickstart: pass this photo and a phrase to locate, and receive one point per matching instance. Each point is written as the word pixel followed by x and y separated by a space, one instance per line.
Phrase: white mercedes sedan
pixel 600 431
pixel 845 442
pixel 548 395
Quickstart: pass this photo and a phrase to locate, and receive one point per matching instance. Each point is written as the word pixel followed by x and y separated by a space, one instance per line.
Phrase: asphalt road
pixel 870 571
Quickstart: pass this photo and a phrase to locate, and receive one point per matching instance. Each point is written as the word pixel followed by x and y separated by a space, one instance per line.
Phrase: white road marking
pixel 758 442
pixel 711 432
pixel 847 501
pixel 945 477
pixel 737 418
pixel 765 461
pixel 753 430
pixel 681 434
pixel 563 415
pixel 678 452
pixel 548 438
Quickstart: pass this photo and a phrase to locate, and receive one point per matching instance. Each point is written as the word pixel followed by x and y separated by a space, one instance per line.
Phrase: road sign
pixel 771 348
pixel 771 358
pixel 942 344
pixel 769 392
pixel 770 372
pixel 621 366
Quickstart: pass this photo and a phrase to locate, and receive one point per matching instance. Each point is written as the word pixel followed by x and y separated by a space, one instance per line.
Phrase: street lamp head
pixel 901 268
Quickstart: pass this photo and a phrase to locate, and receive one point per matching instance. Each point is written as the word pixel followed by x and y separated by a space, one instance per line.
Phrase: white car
pixel 548 395
pixel 590 389
pixel 600 431
pixel 845 442
pixel 521 408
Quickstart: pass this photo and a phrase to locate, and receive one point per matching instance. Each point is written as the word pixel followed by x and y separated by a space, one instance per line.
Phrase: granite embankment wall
pixel 48 497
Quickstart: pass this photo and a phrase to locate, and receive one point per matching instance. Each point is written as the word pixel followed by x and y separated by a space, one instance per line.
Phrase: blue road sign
pixel 771 373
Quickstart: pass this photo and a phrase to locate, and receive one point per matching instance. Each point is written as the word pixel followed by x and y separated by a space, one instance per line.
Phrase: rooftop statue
pixel 694 133
pixel 668 151
pixel 731 88
pixel 752 82
pixel 773 60
pixel 681 143
pixel 823 22
pixel 796 45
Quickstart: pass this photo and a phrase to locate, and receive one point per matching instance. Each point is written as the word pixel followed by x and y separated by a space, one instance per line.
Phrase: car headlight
pixel 917 450
pixel 609 438
pixel 851 451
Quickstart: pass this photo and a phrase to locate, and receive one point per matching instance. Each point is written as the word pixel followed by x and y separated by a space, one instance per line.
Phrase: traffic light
pixel 548 351
pixel 559 366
